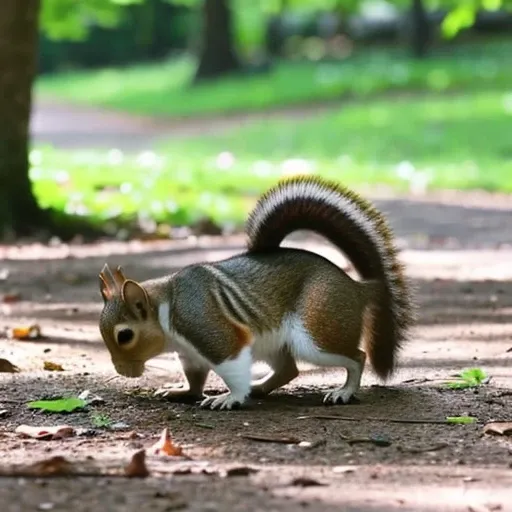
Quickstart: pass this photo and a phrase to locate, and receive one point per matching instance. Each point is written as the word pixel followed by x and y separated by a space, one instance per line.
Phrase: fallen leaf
pixel 46 433
pixel 461 420
pixel 26 332
pixel 10 298
pixel 241 471
pixel 7 367
pixel 306 482
pixel 165 446
pixel 137 468
pixel 54 466
pixel 271 439
pixel 59 405
pixel 49 366
pixel 499 428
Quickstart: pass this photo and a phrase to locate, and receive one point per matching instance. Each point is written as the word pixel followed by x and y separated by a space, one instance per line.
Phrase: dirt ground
pixel 458 250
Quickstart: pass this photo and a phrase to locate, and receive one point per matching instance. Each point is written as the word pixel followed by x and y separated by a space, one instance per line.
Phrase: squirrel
pixel 272 304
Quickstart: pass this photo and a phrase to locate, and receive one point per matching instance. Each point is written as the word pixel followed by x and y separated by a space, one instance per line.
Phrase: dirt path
pixel 459 258
pixel 70 126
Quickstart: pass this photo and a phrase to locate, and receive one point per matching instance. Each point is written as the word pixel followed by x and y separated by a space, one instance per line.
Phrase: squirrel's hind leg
pixel 284 370
pixel 333 327
pixel 352 384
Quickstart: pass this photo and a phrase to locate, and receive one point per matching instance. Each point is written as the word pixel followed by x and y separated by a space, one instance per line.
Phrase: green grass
pixel 437 141
pixel 163 89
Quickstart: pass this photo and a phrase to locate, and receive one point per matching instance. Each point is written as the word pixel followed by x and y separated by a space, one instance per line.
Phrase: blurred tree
pixel 217 54
pixel 420 29
pixel 19 211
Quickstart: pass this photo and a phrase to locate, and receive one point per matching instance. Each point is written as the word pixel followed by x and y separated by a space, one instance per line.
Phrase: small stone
pixel 46 506
pixel 120 425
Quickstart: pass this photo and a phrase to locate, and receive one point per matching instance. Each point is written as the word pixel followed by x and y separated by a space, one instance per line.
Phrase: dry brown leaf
pixel 26 332
pixel 7 367
pixel 52 367
pixel 137 468
pixel 45 432
pixel 241 471
pixel 10 298
pixel 499 428
pixel 54 466
pixel 306 482
pixel 165 446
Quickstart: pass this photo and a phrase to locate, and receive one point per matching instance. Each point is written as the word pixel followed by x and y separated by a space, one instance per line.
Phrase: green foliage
pixel 163 88
pixel 69 19
pixel 59 405
pixel 469 378
pixel 461 420
pixel 101 421
pixel 438 144
pixel 462 13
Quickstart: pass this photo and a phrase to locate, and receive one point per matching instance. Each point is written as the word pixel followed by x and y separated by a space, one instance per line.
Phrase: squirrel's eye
pixel 124 336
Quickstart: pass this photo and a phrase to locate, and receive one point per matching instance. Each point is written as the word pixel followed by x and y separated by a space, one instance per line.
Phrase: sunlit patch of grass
pixel 163 89
pixel 429 142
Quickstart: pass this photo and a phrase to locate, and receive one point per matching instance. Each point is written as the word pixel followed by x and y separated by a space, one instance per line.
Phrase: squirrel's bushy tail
pixel 360 231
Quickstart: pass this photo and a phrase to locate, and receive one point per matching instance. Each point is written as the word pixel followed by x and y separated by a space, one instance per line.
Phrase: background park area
pixel 141 133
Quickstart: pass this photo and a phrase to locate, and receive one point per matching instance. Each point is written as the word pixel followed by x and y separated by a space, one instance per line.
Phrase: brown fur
pixel 359 230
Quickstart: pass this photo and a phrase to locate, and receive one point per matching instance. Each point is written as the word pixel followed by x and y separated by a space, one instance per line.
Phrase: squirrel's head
pixel 129 323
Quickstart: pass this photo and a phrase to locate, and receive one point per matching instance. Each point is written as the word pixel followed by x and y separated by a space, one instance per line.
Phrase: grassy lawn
pixel 438 141
pixel 163 89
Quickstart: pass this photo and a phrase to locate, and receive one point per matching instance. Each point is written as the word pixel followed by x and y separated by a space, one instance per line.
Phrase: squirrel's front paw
pixel 225 401
pixel 341 395
pixel 177 393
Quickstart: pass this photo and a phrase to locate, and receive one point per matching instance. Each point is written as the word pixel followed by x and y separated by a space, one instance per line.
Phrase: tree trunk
pixel 420 30
pixel 19 211
pixel 217 53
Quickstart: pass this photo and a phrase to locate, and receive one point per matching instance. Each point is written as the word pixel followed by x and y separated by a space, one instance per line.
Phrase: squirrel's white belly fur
pixel 265 346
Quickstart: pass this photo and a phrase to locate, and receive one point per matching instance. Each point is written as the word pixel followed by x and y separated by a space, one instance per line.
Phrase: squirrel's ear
pixel 104 289
pixel 136 299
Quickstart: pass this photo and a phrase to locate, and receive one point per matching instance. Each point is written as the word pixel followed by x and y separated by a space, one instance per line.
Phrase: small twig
pixel 110 379
pixel 370 418
pixel 204 425
pixel 270 439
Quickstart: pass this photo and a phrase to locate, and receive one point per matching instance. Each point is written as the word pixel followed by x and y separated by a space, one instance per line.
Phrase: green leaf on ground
pixel 59 405
pixel 461 420
pixel 469 378
pixel 101 421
